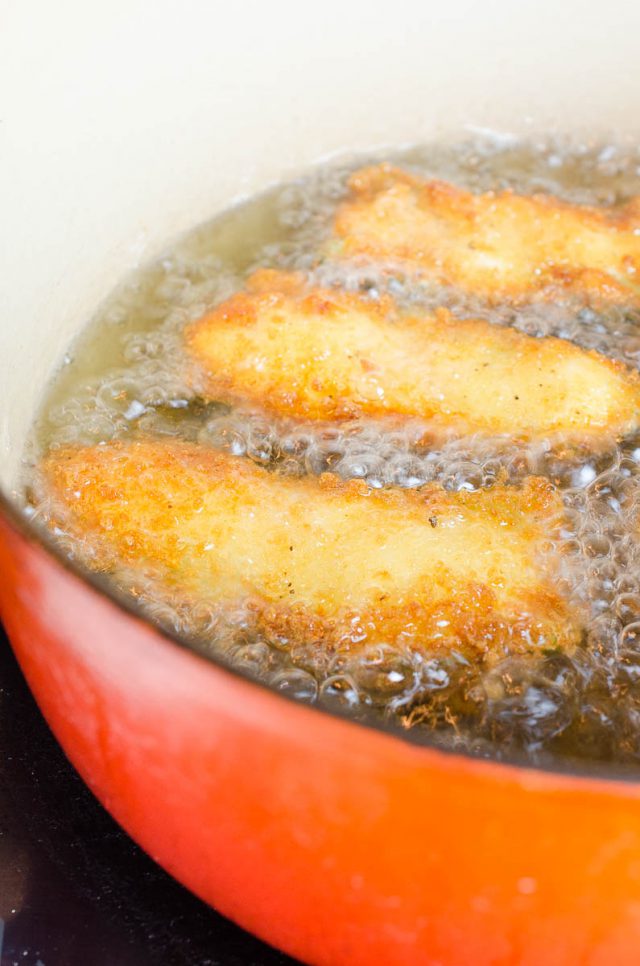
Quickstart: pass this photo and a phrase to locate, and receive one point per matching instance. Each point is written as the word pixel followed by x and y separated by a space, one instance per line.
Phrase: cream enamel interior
pixel 123 124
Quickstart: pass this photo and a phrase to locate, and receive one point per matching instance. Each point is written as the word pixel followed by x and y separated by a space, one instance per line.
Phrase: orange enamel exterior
pixel 342 845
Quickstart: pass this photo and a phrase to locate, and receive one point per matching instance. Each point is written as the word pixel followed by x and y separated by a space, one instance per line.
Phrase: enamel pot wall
pixel 122 125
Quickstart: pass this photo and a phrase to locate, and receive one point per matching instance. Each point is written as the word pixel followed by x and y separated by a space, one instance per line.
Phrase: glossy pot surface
pixel 339 843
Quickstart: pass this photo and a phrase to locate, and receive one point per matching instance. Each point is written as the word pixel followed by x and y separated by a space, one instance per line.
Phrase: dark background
pixel 74 889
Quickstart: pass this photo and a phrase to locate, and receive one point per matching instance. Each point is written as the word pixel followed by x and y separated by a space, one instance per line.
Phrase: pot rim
pixel 569 768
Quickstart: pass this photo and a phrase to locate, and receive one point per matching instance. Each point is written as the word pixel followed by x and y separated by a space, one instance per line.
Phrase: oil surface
pixel 127 375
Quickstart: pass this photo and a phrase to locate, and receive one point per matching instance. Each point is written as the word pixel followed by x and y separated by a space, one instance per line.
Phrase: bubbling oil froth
pixel 586 704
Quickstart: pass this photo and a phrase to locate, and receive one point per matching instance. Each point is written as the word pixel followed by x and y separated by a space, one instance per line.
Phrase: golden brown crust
pixel 322 560
pixel 321 354
pixel 499 245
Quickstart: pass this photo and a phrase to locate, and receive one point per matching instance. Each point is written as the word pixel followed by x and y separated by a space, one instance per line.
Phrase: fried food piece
pixel 324 354
pixel 321 560
pixel 499 245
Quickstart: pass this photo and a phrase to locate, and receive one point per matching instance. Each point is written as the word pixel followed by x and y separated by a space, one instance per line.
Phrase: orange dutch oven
pixel 342 844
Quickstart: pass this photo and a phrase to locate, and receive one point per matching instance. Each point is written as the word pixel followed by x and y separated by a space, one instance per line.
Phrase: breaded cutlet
pixel 499 244
pixel 334 563
pixel 322 354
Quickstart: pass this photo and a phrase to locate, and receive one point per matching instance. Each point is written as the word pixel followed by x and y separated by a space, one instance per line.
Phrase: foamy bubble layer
pixel 128 375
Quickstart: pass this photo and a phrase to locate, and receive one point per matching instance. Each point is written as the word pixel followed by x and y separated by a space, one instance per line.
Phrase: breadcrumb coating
pixel 322 560
pixel 322 354
pixel 499 244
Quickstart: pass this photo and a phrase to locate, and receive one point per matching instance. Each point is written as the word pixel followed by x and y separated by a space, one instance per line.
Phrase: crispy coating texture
pixel 321 354
pixel 320 560
pixel 499 245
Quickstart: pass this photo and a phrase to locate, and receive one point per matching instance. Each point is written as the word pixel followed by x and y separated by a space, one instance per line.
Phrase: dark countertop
pixel 74 889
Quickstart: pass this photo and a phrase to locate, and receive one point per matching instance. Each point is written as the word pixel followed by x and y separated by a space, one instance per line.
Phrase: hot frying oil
pixel 127 375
